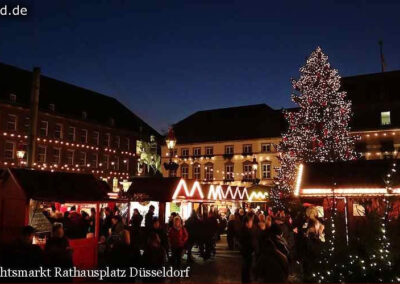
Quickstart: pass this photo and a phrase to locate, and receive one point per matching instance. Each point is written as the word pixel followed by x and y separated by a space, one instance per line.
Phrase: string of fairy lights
pixel 96 168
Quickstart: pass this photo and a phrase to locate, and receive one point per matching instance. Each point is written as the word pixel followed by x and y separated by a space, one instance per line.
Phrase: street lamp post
pixel 254 166
pixel 171 166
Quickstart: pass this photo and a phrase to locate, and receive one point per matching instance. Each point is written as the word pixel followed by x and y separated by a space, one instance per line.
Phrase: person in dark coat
pixel 271 265
pixel 58 252
pixel 136 220
pixel 148 220
pixel 313 246
pixel 154 257
pixel 161 233
pixel 231 232
pixel 106 223
pixel 248 244
pixel 211 230
pixel 192 226
pixel 278 239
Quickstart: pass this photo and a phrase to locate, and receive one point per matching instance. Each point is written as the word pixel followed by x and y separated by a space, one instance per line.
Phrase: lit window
pixel 197 151
pixel 196 171
pixel 247 171
pixel 247 149
pixel 266 170
pixel 229 149
pixel 385 118
pixel 209 172
pixel 184 171
pixel 229 175
pixel 209 151
pixel 185 152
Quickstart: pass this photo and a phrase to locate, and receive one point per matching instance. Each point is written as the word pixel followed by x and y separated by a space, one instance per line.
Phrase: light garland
pixel 70 144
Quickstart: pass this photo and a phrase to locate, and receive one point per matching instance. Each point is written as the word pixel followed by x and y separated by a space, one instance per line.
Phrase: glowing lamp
pixel 170 140
pixel 20 154
pixel 254 164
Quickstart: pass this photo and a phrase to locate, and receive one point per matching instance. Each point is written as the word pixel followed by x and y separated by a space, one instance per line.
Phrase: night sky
pixel 167 59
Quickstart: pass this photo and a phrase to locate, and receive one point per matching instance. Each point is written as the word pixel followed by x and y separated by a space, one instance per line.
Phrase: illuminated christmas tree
pixel 319 130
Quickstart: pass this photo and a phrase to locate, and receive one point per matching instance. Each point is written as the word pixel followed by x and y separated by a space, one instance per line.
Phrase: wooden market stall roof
pixel 152 188
pixel 58 186
pixel 349 177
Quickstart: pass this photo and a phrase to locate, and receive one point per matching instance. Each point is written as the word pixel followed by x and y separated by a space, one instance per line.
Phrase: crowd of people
pixel 272 244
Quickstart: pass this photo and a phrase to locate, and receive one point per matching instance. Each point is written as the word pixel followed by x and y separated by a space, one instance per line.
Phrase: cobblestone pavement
pixel 224 267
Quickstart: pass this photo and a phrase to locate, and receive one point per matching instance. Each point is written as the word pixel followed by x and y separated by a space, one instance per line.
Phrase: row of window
pixel 229 150
pixel 70 157
pixel 229 174
pixel 72 133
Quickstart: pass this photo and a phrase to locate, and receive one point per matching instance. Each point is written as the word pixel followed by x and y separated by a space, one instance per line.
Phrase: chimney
pixel 34 117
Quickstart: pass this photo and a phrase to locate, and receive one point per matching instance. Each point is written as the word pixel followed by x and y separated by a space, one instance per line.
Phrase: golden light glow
pixel 298 180
pixel 182 185
pixel 346 191
pixel 258 196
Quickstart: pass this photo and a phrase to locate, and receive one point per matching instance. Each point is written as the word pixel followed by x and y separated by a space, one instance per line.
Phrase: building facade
pixel 220 145
pixel 78 130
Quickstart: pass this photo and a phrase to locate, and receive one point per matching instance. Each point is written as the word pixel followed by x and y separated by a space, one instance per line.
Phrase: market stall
pixel 354 186
pixel 27 197
pixel 185 195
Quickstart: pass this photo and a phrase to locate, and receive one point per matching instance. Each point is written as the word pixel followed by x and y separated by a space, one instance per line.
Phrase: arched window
pixel 196 171
pixel 184 171
pixel 209 172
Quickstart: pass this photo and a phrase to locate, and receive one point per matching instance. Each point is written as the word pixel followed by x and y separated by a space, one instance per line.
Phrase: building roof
pixel 69 100
pixel 370 95
pixel 350 174
pixel 59 186
pixel 234 123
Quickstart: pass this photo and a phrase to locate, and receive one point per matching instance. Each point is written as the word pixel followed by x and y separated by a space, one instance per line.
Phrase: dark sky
pixel 167 59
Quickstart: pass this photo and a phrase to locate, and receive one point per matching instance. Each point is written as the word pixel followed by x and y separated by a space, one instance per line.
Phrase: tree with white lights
pixel 319 130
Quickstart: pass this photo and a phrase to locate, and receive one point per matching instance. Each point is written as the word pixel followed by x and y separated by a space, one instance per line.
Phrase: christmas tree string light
pixel 319 130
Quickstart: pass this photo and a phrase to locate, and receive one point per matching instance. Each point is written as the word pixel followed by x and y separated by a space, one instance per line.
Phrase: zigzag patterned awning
pixel 211 192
